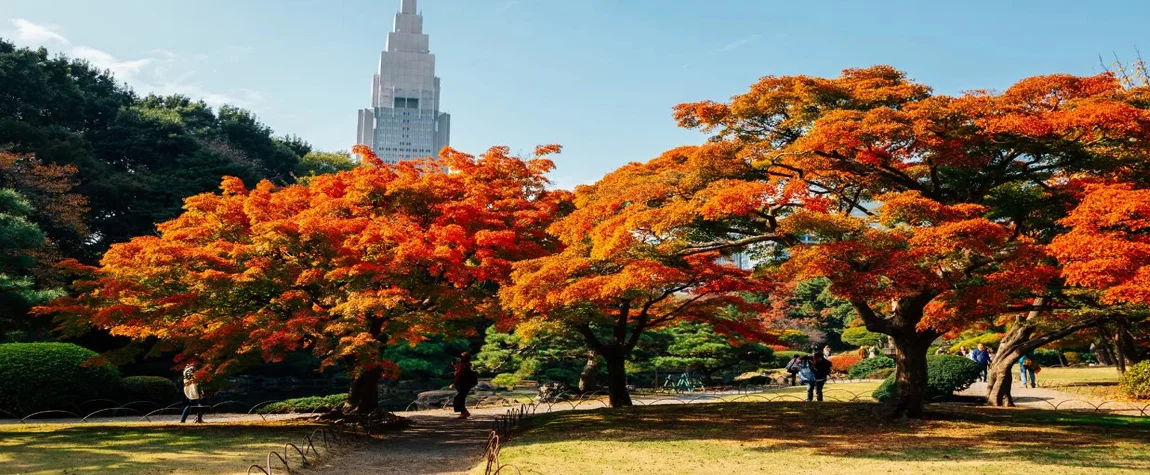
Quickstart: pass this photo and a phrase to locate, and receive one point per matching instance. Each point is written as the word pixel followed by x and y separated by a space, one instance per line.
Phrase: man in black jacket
pixel 822 369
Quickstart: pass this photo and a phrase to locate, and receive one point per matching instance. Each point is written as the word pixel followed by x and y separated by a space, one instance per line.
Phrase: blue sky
pixel 597 76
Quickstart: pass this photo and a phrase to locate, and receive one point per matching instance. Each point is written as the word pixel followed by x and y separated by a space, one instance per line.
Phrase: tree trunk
pixel 910 347
pixel 1127 348
pixel 910 373
pixel 999 379
pixel 588 379
pixel 617 378
pixel 363 397
pixel 1018 341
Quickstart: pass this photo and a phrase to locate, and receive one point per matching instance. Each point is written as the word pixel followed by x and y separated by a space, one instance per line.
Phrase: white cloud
pixel 738 43
pixel 31 34
pixel 153 74
pixel 127 71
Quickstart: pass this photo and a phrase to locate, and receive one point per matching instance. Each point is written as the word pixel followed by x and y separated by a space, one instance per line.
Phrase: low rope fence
pixel 327 438
pixel 143 411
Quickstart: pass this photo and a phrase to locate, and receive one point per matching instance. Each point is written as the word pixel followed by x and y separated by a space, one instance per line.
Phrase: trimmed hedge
pixel 945 374
pixel 865 367
pixel 52 376
pixel 305 405
pixel 1136 382
pixel 156 389
pixel 783 357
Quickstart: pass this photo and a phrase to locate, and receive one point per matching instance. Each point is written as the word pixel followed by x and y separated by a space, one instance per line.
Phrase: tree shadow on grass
pixel 851 430
pixel 212 448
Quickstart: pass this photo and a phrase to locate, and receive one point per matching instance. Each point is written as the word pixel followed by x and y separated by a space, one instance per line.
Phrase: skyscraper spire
pixel 404 121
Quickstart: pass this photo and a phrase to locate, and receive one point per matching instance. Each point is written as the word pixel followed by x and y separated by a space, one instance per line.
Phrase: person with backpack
pixel 1026 369
pixel 981 356
pixel 793 368
pixel 465 379
pixel 815 372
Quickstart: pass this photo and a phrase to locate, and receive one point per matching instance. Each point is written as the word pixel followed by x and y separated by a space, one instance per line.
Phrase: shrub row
pixel 61 376
pixel 305 405
pixel 868 366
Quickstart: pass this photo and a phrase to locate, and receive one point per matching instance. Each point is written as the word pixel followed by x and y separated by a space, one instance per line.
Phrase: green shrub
pixel 1072 358
pixel 885 391
pixel 783 357
pixel 881 373
pixel 506 380
pixel 1136 382
pixel 43 376
pixel 1047 357
pixel 305 404
pixel 156 389
pixel 860 336
pixel 865 367
pixel 945 374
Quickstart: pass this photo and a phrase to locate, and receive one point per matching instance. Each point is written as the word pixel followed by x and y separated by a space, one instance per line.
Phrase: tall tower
pixel 404 121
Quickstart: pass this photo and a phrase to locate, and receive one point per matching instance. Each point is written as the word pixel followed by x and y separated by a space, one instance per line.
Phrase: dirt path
pixel 435 444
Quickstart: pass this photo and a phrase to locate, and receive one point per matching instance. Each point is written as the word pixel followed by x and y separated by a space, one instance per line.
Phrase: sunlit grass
pixel 132 449
pixel 796 437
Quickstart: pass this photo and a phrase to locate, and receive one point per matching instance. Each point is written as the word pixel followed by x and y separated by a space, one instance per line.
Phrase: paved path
pixel 1046 398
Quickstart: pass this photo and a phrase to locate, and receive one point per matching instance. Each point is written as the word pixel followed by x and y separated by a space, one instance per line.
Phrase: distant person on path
pixel 1027 366
pixel 827 351
pixel 940 351
pixel 192 393
pixel 862 352
pixel 793 368
pixel 465 379
pixel 820 370
pixel 982 357
pixel 963 352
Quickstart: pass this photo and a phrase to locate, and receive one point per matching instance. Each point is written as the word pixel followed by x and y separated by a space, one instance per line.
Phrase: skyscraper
pixel 404 121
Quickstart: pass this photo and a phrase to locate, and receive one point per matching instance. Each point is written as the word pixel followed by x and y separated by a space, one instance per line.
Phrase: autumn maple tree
pixel 342 267
pixel 1107 251
pixel 940 206
pixel 632 260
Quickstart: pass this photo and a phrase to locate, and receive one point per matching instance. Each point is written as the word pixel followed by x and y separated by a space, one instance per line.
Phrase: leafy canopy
pixel 343 266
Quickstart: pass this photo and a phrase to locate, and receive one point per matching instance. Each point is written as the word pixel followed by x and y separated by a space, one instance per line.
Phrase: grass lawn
pixel 802 438
pixel 136 449
pixel 1100 382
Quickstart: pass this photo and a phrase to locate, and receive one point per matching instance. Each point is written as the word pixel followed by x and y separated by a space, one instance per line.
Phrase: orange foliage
pixel 341 266
pixel 843 363
pixel 59 211
pixel 630 259
pixel 942 245
pixel 1108 246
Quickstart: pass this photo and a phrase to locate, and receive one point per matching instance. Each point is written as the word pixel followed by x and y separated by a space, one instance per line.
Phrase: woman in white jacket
pixel 192 392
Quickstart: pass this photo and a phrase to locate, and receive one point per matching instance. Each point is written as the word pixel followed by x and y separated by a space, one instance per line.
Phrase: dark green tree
pixel 696 347
pixel 20 239
pixel 136 158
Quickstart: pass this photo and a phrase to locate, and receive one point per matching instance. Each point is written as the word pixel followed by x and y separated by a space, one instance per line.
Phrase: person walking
pixel 981 356
pixel 465 379
pixel 1027 366
pixel 193 395
pixel 820 370
pixel 793 368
